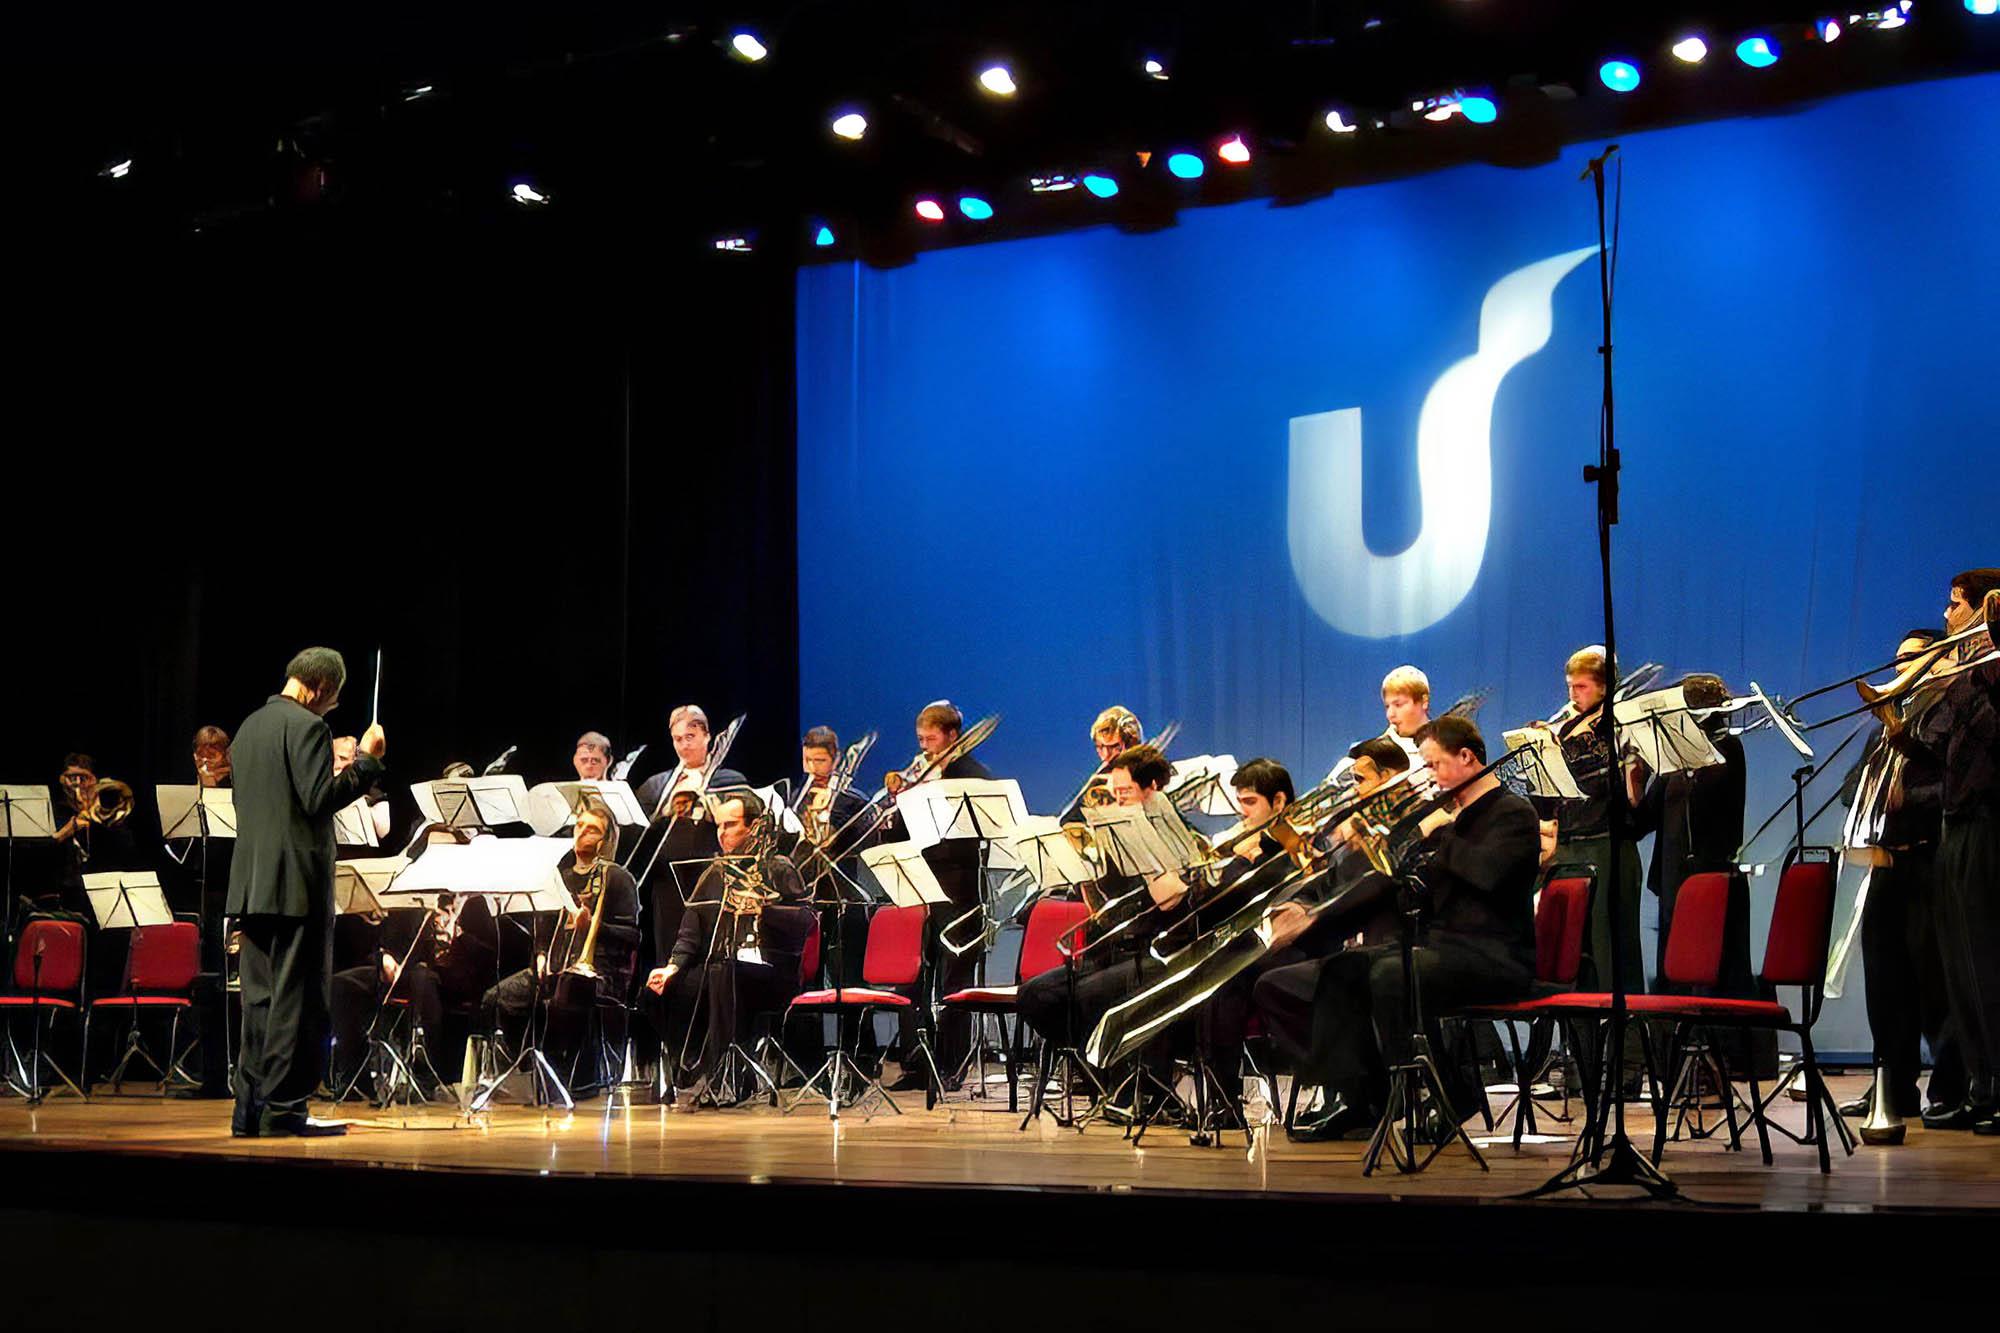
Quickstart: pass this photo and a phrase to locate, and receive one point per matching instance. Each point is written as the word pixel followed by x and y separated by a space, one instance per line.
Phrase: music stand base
pixel 1408 1083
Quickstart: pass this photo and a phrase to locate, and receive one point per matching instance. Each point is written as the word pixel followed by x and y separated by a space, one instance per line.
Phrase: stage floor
pixel 979 1145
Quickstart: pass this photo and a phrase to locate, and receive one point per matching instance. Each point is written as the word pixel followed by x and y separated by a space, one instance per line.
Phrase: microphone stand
pixel 1616 1160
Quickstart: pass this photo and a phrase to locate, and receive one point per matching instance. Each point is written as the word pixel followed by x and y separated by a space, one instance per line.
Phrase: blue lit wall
pixel 1042 476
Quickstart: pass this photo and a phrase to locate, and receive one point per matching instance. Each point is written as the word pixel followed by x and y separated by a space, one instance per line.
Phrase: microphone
pixel 1596 164
pixel 500 765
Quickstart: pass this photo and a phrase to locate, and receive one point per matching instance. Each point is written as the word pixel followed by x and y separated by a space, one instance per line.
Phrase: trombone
pixel 1912 671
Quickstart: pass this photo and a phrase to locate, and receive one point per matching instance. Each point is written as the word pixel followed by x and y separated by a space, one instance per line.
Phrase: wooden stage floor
pixel 975 1145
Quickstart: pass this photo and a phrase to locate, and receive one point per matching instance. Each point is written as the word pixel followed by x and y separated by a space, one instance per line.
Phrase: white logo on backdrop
pixel 1381 596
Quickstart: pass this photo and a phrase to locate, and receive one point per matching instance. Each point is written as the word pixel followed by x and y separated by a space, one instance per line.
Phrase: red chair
pixel 1049 921
pixel 160 970
pixel 892 975
pixel 1795 951
pixel 48 980
pixel 1562 919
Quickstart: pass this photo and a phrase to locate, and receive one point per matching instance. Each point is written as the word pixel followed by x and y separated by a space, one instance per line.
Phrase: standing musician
pixel 1961 733
pixel 281 889
pixel 1115 731
pixel 834 839
pixel 1477 887
pixel 211 757
pixel 688 726
pixel 681 818
pixel 741 942
pixel 1583 827
pixel 98 835
pixel 955 862
pixel 1902 958
pixel 592 759
pixel 568 992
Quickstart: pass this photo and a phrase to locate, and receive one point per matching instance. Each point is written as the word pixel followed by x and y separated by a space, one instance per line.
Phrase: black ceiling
pixel 639 120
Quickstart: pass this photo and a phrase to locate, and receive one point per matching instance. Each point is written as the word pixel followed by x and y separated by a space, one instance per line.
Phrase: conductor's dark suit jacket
pixel 286 797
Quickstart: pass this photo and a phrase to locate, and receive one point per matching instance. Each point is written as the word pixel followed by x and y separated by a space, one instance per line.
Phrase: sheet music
pixel 1548 771
pixel 905 878
pixel 1659 729
pixel 358 883
pixel 949 808
pixel 526 868
pixel 183 808
pixel 1204 780
pixel 480 802
pixel 121 899
pixel 1174 834
pixel 1129 841
pixel 26 811
pixel 552 806
pixel 354 825
pixel 1041 847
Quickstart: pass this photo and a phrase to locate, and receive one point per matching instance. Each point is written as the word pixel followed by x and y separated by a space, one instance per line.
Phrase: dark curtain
pixel 547 470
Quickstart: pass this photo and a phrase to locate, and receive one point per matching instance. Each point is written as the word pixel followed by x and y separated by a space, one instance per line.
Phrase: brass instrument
pixel 1095 793
pixel 114 804
pixel 918 770
pixel 585 962
pixel 817 816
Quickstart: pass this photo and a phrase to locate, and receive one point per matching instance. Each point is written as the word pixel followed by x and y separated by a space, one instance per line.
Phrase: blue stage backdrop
pixel 1234 471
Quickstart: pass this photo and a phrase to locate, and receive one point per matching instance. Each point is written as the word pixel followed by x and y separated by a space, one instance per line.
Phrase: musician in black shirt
pixel 445 968
pixel 741 939
pixel 1476 882
pixel 955 862
pixel 1961 732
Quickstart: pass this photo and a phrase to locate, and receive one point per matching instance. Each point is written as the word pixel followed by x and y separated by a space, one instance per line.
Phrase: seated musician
pixel 1115 731
pixel 211 757
pixel 1475 881
pixel 1046 1002
pixel 569 995
pixel 592 759
pixel 955 863
pixel 97 836
pixel 447 968
pixel 739 949
pixel 1283 982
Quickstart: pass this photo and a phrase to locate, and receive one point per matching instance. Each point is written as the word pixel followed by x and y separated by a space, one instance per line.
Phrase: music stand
pixel 25 812
pixel 1665 733
pixel 955 809
pixel 1547 771
pixel 474 803
pixel 1201 785
pixel 1046 852
pixel 907 880
pixel 354 825
pixel 521 875
pixel 551 807
pixel 124 899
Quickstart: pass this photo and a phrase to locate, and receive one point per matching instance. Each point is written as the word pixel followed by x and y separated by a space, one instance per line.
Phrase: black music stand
pixel 1414 1079
pixel 25 812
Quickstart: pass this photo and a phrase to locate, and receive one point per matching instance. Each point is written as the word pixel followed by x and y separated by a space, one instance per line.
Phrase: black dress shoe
pixel 1858 1108
pixel 1962 1116
pixel 1338 1119
pixel 1988 1125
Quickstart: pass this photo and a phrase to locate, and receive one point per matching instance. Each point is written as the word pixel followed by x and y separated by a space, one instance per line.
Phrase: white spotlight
pixel 998 80
pixel 1338 124
pixel 850 126
pixel 1155 70
pixel 1692 50
pixel 525 193
pixel 118 171
pixel 747 46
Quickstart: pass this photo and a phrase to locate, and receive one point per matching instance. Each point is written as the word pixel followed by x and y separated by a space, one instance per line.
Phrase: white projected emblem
pixel 1380 596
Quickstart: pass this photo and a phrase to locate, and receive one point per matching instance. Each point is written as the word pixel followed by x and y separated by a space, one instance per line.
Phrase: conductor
pixel 281 890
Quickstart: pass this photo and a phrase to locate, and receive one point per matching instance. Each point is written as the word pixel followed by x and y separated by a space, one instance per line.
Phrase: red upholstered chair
pixel 1049 921
pixel 892 975
pixel 1562 918
pixel 48 980
pixel 1795 952
pixel 160 970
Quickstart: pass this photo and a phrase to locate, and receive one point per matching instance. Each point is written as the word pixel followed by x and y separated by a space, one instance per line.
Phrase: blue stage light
pixel 1983 8
pixel 1620 76
pixel 975 208
pixel 1187 166
pixel 1479 110
pixel 1101 186
pixel 1758 52
pixel 823 237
